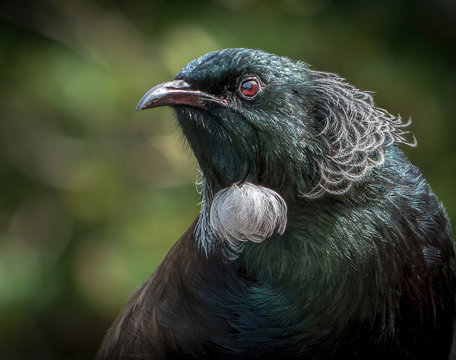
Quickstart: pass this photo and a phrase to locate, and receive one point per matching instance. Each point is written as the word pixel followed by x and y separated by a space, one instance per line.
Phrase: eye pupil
pixel 249 87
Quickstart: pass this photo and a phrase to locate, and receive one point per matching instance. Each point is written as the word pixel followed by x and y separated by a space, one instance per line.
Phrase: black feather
pixel 358 259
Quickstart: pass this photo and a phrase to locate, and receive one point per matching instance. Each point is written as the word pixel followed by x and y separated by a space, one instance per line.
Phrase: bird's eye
pixel 249 87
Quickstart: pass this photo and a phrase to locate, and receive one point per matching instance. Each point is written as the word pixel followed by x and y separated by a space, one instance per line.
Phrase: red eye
pixel 249 87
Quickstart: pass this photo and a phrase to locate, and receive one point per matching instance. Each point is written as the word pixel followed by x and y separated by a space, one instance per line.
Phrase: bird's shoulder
pixel 186 301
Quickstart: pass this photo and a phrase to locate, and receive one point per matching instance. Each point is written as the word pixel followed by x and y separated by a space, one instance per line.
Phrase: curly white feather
pixel 247 212
pixel 355 134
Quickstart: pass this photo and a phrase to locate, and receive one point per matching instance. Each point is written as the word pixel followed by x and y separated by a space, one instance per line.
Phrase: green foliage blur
pixel 93 193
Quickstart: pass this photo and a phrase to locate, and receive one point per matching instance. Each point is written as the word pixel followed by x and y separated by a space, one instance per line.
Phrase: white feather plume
pixel 247 212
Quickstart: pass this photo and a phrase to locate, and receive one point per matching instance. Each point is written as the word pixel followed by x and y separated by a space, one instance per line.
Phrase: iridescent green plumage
pixel 365 268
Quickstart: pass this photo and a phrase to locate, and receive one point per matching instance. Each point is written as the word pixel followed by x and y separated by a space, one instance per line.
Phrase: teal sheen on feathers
pixel 317 238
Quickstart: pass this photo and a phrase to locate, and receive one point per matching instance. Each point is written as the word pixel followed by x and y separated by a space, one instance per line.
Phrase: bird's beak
pixel 176 92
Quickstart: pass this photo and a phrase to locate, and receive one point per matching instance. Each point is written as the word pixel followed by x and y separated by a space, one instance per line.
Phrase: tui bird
pixel 317 238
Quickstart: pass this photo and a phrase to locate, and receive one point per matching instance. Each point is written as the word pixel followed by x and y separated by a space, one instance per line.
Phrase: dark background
pixel 93 194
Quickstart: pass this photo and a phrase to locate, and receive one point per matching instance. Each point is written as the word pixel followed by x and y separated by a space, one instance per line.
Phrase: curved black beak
pixel 176 92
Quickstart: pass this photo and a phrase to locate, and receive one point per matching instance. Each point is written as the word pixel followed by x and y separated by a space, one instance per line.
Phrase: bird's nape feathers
pixel 317 238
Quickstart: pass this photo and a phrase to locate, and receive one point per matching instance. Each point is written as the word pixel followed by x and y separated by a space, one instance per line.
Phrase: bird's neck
pixel 222 162
pixel 331 239
pixel 315 241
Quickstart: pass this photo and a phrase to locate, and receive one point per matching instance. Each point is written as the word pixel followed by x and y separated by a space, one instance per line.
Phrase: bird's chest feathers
pixel 250 223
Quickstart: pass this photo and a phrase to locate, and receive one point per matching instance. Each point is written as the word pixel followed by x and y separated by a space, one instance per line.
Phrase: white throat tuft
pixel 247 212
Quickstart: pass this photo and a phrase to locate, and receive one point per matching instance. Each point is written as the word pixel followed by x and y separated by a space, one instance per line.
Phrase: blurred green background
pixel 93 193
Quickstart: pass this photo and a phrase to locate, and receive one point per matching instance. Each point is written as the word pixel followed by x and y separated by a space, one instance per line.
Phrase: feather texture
pixel 317 238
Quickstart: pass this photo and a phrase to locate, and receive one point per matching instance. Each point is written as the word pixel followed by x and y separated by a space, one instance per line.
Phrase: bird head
pixel 250 116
